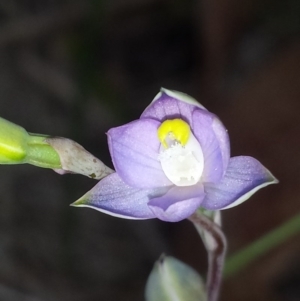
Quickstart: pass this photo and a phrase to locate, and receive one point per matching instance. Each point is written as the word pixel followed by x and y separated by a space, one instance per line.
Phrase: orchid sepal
pixel 244 176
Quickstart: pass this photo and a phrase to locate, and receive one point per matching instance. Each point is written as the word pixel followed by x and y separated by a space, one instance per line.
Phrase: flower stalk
pixel 215 243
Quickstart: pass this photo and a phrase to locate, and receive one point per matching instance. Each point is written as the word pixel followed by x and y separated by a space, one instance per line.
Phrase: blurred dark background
pixel 77 68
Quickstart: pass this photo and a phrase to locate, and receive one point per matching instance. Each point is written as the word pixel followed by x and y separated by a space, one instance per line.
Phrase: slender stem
pixel 40 153
pixel 215 243
pixel 242 258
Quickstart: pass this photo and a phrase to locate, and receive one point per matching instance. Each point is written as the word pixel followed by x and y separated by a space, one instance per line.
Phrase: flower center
pixel 180 154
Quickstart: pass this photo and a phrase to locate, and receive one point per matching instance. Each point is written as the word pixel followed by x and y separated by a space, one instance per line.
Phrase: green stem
pixel 40 153
pixel 241 259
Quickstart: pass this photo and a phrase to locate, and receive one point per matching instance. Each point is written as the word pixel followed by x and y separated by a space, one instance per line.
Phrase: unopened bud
pixel 13 143
pixel 173 280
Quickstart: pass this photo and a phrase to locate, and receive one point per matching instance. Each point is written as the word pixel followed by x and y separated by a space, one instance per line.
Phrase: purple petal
pixel 214 142
pixel 178 203
pixel 244 176
pixel 223 138
pixel 112 196
pixel 134 150
pixel 169 105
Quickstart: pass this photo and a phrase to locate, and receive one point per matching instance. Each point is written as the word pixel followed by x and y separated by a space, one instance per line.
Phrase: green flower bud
pixel 173 280
pixel 13 143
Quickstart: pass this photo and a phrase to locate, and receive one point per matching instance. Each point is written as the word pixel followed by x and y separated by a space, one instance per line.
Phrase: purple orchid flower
pixel 171 161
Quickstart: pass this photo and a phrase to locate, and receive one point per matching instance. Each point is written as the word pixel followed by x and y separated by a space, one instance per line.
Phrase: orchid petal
pixel 244 176
pixel 114 197
pixel 134 148
pixel 171 104
pixel 178 203
pixel 214 142
pixel 223 138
